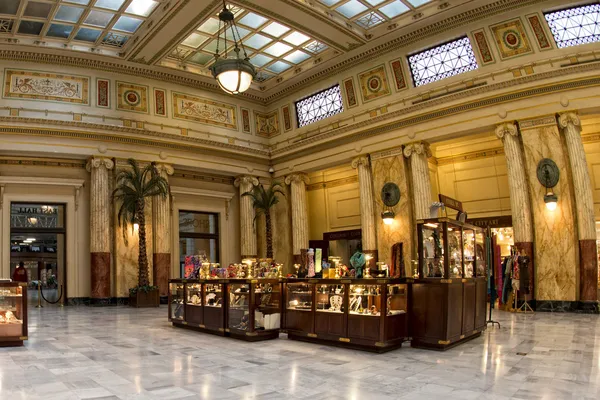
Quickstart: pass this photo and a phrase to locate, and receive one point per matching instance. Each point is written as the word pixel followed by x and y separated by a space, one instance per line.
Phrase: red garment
pixel 20 275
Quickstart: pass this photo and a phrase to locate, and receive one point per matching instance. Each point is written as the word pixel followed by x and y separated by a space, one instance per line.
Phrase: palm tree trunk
pixel 143 272
pixel 269 234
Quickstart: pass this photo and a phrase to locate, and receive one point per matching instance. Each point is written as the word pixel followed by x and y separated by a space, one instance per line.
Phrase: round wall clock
pixel 548 173
pixel 390 194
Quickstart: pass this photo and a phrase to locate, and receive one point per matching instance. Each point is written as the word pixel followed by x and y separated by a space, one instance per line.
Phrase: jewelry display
pixel 336 303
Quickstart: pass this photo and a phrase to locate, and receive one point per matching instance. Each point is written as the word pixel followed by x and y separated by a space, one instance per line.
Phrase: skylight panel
pixel 296 38
pixel 275 29
pixel 297 57
pixel 59 31
pixel 142 8
pixel 278 67
pixel 9 7
pixel 315 47
pixel 88 35
pixel 128 24
pixel 260 60
pixel 98 18
pixel 253 20
pixel 201 58
pixel 443 61
pixel 257 41
pixel 30 27
pixel 82 2
pixel 68 13
pixel 575 26
pixel 418 3
pixel 36 9
pixel 109 4
pixel 375 2
pixel 278 49
pixel 210 26
pixel 195 40
pixel 330 2
pixel 351 8
pixel 394 9
pixel 369 20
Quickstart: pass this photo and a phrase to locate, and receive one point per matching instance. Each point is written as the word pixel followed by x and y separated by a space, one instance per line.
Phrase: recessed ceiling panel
pixel 98 18
pixel 142 8
pixel 9 6
pixel 30 27
pixel 37 9
pixel 109 4
pixel 60 31
pixel 128 24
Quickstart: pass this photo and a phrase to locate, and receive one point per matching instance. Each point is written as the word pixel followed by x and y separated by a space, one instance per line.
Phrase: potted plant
pixel 134 187
pixel 262 201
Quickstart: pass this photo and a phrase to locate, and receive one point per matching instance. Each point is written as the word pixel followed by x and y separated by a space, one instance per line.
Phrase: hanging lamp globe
pixel 234 75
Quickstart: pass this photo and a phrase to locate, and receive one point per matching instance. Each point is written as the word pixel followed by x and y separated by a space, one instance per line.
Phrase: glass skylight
pixel 351 8
pixel 98 18
pixel 394 9
pixel 575 26
pixel 109 4
pixel 68 13
pixel 128 24
pixel 443 61
pixel 273 47
pixel 142 8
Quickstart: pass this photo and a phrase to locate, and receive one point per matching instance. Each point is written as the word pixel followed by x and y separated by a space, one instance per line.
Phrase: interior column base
pixel 100 277
pixel 588 270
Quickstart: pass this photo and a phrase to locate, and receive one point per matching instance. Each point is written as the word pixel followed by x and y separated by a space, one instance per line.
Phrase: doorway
pixel 37 239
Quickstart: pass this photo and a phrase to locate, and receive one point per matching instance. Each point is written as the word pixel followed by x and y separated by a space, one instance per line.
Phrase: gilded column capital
pixel 297 177
pixel 361 160
pixel 507 128
pixel 568 118
pixel 245 179
pixel 166 169
pixel 97 162
pixel 417 148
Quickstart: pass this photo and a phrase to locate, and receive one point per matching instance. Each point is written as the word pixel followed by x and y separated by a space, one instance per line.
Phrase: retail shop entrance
pixel 37 241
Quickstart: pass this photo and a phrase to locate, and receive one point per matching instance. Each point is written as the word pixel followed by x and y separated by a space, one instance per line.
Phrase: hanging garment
pixel 397 267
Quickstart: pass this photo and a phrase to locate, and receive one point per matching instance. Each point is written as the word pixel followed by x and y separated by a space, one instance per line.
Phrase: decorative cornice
pixel 245 179
pixel 386 154
pixel 419 148
pixel 164 169
pixel 42 162
pixel 297 177
pixel 508 128
pixel 118 67
pixel 365 132
pixel 204 177
pixel 89 133
pixel 99 162
pixel 568 118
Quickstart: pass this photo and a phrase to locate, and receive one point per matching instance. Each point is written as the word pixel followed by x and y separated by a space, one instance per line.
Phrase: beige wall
pixel 333 201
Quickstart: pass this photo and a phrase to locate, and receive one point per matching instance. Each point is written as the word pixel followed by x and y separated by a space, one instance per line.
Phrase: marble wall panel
pixel 393 169
pixel 126 255
pixel 555 232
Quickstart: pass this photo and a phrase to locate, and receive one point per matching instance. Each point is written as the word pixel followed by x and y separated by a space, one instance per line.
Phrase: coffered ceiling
pixel 291 42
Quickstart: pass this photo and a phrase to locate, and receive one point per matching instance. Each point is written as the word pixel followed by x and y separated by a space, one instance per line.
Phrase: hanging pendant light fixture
pixel 233 73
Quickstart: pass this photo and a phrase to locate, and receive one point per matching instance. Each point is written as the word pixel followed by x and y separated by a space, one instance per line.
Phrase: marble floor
pixel 122 353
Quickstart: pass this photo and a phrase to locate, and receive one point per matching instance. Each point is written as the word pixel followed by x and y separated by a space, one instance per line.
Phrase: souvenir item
pixel 311 263
pixel 336 303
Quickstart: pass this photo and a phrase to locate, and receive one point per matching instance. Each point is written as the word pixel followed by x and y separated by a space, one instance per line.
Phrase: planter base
pixel 143 299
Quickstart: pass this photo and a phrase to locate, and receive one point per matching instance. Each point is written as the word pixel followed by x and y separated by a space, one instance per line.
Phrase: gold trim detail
pixel 475 332
pixel 23 338
pixel 445 280
pixel 184 323
pixel 379 344
pixel 345 340
pixel 345 281
pixel 201 326
pixel 251 334
pixel 461 337
pixel 312 335
pixel 444 342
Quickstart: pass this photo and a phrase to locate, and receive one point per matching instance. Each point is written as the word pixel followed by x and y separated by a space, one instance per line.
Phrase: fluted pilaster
pixel 367 214
pixel 100 199
pixel 298 182
pixel 417 154
pixel 517 183
pixel 248 235
pixel 161 229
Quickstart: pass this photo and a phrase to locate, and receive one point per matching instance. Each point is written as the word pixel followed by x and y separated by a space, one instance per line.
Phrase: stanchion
pixel 39 304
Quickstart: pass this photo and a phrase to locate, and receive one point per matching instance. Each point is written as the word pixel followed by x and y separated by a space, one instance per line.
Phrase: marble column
pixel 417 153
pixel 248 244
pixel 161 224
pixel 298 182
pixel 100 200
pixel 367 212
pixel 584 207
pixel 520 203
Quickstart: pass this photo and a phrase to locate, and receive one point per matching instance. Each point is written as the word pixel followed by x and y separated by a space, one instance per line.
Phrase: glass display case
pixel 13 313
pixel 449 295
pixel 239 306
pixel 370 314
pixel 447 249
pixel 214 307
pixel 193 303
pixel 176 301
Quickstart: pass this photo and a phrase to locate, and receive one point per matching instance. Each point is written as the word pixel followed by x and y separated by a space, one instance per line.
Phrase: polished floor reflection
pixel 121 353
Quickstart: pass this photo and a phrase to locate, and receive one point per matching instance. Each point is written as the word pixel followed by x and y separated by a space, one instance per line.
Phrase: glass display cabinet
pixel 242 308
pixel 254 311
pixel 13 313
pixel 448 298
pixel 368 314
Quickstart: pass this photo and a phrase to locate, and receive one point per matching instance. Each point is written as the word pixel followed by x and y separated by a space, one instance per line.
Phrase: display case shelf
pixel 13 313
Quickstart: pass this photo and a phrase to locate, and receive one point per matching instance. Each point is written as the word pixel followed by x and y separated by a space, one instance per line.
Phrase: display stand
pixel 13 313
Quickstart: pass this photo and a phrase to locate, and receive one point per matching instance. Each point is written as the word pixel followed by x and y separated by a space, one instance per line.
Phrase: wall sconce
pixel 32 220
pixel 548 175
pixel 136 226
pixel 390 195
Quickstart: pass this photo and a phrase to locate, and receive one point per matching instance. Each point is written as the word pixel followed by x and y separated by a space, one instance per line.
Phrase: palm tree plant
pixel 134 186
pixel 262 201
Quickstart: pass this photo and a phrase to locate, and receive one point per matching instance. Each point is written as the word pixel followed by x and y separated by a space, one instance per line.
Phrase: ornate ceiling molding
pixel 300 148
